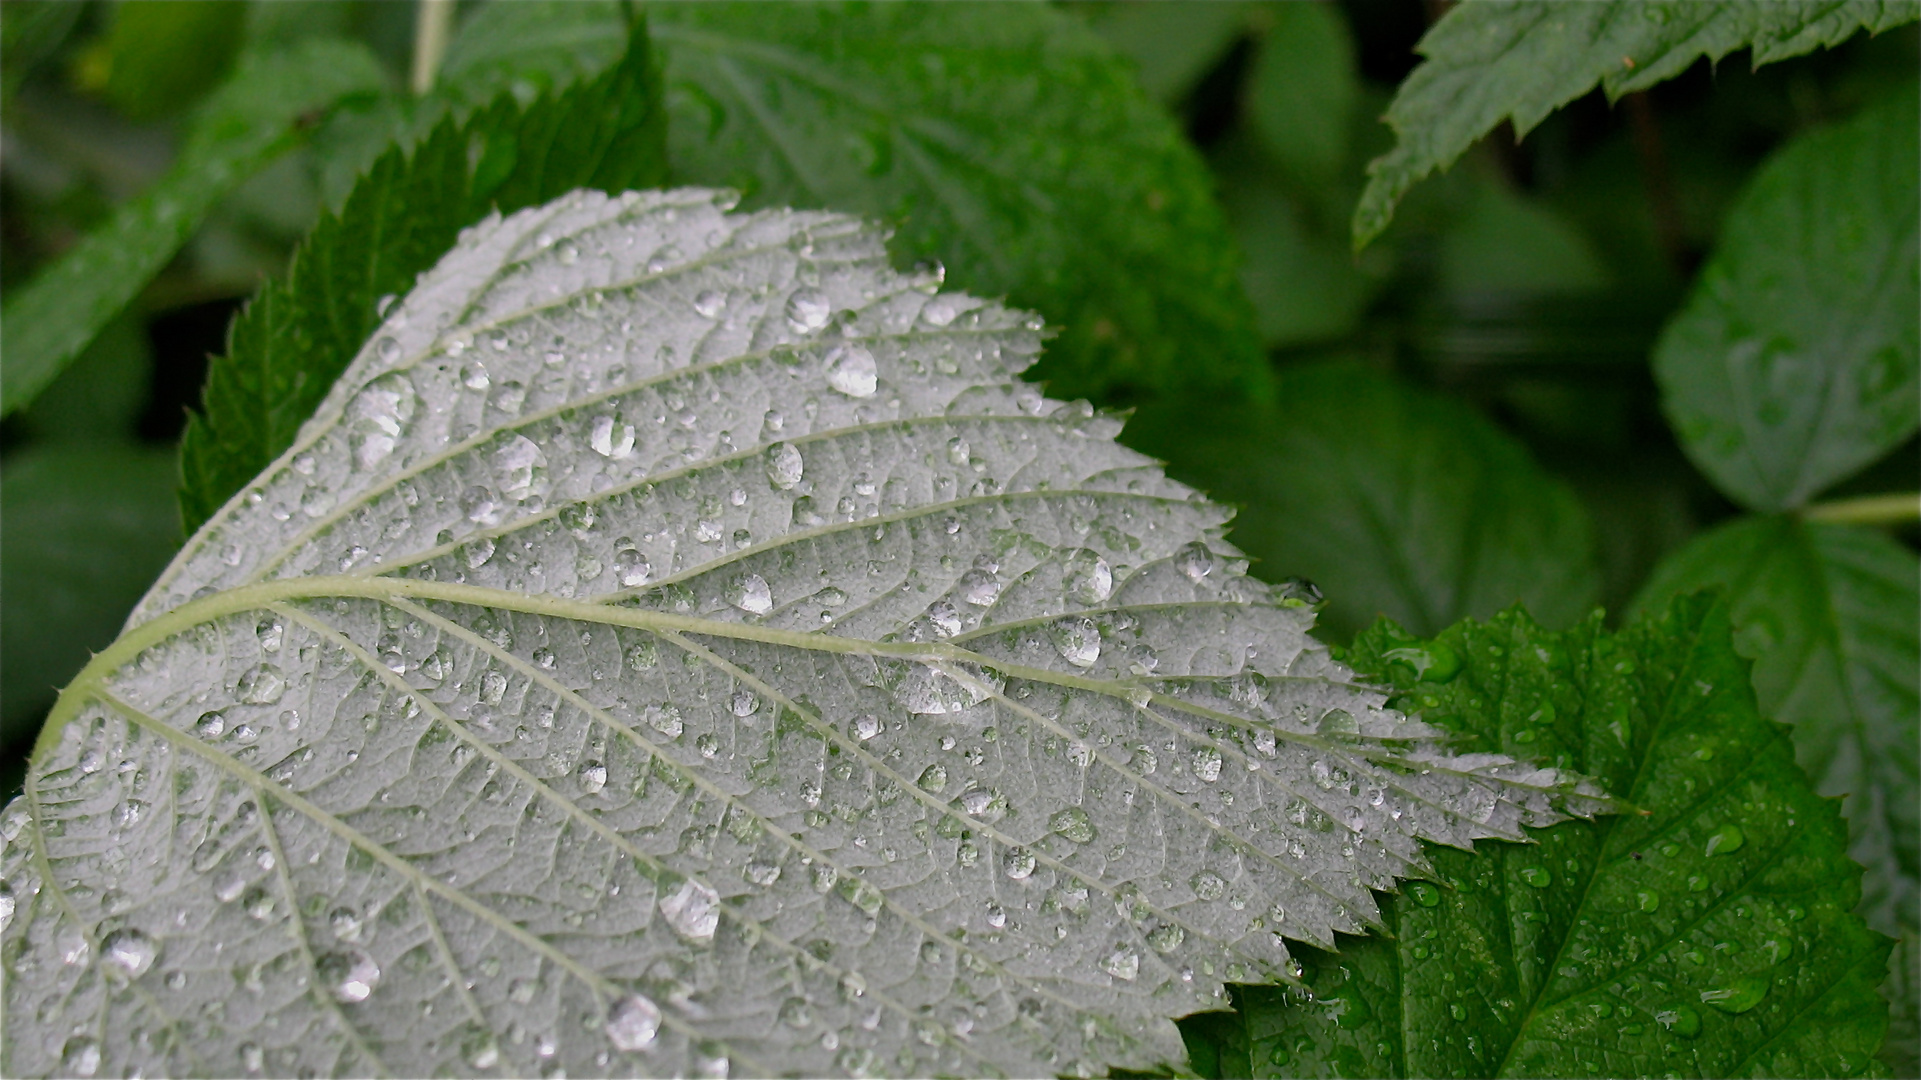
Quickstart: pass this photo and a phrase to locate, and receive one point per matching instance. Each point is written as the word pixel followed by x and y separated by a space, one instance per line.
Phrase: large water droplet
pixel 1195 561
pixel 749 593
pixel 377 417
pixel 610 439
pixel 808 310
pixel 1207 764
pixel 1537 876
pixel 515 463
pixel 631 568
pixel 784 467
pixel 128 953
pixel 1725 840
pixel 979 587
pixel 1018 863
pixel 1208 885
pixel 1078 641
pixel 1073 823
pixel 350 976
pixel 1680 1020
pixel 866 727
pixel 211 725
pixel 933 778
pixel 693 910
pixel 946 620
pixel 632 1023
pixel 1739 995
pixel 1087 578
pixel 1123 963
pixel 851 370
pixel 261 685
pixel 710 303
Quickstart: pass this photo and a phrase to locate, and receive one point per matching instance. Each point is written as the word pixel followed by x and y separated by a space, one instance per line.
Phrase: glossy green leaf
pixel 1519 60
pixel 297 336
pixel 1396 501
pixel 678 645
pixel 83 531
pixel 259 114
pixel 1797 359
pixel 1827 614
pixel 1712 934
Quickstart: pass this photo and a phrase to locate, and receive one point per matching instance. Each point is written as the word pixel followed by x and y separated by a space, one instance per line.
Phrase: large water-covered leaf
pixel 680 643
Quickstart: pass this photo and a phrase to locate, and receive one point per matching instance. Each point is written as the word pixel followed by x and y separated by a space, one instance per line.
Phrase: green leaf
pixel 679 638
pixel 1519 61
pixel 1796 359
pixel 1397 501
pixel 83 531
pixel 1710 935
pixel 148 75
pixel 1826 613
pixel 1304 88
pixel 258 115
pixel 1172 42
pixel 292 341
pixel 1089 207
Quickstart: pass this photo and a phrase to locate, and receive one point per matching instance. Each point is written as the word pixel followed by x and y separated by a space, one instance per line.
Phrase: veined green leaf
pixel 286 349
pixel 678 640
pixel 1397 501
pixel 259 114
pixel 1796 359
pixel 1519 60
pixel 1827 614
pixel 1711 934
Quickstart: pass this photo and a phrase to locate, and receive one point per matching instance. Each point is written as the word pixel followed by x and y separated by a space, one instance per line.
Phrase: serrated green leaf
pixel 1796 359
pixel 258 115
pixel 1827 614
pixel 1396 501
pixel 1091 208
pixel 1519 60
pixel 83 531
pixel 679 638
pixel 1710 935
pixel 292 341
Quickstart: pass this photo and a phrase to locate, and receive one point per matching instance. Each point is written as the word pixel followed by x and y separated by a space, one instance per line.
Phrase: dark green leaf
pixel 1827 613
pixel 100 396
pixel 259 114
pixel 1302 279
pixel 1172 42
pixel 149 73
pixel 82 534
pixel 294 339
pixel 1304 88
pixel 1006 140
pixel 1520 61
pixel 1795 360
pixel 29 34
pixel 1395 500
pixel 1710 934
pixel 1505 242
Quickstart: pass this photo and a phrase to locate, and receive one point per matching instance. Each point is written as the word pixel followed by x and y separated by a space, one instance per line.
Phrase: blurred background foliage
pixel 1460 416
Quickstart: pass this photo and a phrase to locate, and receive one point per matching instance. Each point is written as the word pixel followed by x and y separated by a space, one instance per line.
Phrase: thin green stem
pixel 433 24
pixel 1895 509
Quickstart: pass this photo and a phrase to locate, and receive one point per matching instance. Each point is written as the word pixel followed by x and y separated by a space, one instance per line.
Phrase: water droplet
pixel 1072 823
pixel 211 725
pixel 1647 900
pixel 479 1047
pixel 710 303
pixel 749 593
pixel 474 376
pixel 808 310
pixel 515 463
pixel 270 634
pixel 1087 577
pixel 851 370
pixel 693 910
pixel 128 953
pixel 761 873
pixel 979 587
pixel 593 777
pixel 378 415
pixel 784 467
pixel 387 349
pixel 1537 877
pixel 80 1056
pixel 1337 723
pixel 1738 996
pixel 744 704
pixel 1207 764
pixel 946 620
pixel 940 311
pixel 252 1058
pixel 632 1023
pixel 933 778
pixel 345 924
pixel 1208 885
pixel 258 904
pixel 1078 641
pixel 1195 561
pixel 664 719
pixel 475 553
pixel 610 439
pixel 631 568
pixel 262 685
pixel 1018 863
pixel 350 976
pixel 1680 1020
pixel 1166 938
pixel 958 452
pixel 1725 840
pixel 1123 963
pixel 1424 893
pixel 8 905
pixel 866 727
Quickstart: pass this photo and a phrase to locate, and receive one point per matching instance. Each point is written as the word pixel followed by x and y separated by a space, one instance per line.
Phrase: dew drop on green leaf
pixel 1737 996
pixel 1726 839
pixel 1537 877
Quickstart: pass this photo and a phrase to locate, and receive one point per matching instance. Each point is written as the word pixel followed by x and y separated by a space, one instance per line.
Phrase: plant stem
pixel 432 23
pixel 1868 510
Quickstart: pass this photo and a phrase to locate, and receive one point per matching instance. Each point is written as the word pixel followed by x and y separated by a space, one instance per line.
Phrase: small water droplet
pixel 261 685
pixel 808 310
pixel 474 376
pixel 1725 840
pixel 784 466
pixel 1207 764
pixel 1208 885
pixel 128 953
pixel 377 417
pixel 632 1023
pixel 1737 996
pixel 80 1056
pixel 979 587
pixel 611 439
pixel 1072 823
pixel 866 727
pixel 1123 963
pixel 851 370
pixel 1195 561
pixel 631 568
pixel 350 976
pixel 1078 641
pixel 211 725
pixel 933 778
pixel 593 777
pixel 1018 863
pixel 1087 577
pixel 710 303
pixel 749 593
pixel 1537 877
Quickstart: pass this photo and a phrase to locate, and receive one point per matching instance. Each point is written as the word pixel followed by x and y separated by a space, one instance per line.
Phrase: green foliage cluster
pixel 1625 347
